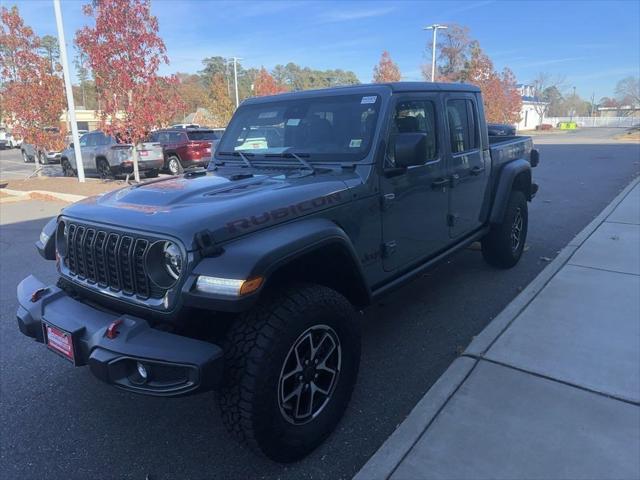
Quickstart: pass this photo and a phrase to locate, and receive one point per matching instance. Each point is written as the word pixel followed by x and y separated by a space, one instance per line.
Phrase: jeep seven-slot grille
pixel 110 260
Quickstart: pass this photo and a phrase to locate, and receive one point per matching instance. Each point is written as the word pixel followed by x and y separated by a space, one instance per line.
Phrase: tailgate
pixel 150 151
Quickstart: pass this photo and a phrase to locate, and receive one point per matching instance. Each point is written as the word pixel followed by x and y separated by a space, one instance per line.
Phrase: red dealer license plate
pixel 59 341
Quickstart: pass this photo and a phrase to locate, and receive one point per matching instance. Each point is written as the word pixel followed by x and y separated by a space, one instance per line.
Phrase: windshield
pixel 202 135
pixel 332 128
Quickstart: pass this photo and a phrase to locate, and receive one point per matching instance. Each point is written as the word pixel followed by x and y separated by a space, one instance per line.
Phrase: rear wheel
pixel 42 158
pixel 291 365
pixel 104 170
pixel 174 166
pixel 151 173
pixel 67 170
pixel 503 245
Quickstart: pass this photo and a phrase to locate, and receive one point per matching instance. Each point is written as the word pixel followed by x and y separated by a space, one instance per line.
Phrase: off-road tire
pixel 499 247
pixel 255 351
pixel 174 166
pixel 67 170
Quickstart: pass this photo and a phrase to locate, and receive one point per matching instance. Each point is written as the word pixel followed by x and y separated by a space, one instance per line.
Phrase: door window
pixel 413 116
pixel 91 140
pixel 463 125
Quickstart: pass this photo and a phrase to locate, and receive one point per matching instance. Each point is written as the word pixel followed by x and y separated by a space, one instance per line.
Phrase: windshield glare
pixel 332 128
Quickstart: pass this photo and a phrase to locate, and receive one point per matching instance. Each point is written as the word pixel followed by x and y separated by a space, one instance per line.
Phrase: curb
pixel 485 339
pixel 386 459
pixel 44 195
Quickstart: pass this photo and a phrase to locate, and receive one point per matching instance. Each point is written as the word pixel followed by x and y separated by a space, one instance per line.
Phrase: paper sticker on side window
pixel 268 115
pixel 369 99
pixel 355 143
pixel 293 122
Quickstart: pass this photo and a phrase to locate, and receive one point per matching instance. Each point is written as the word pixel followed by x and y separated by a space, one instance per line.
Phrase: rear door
pixel 415 200
pixel 470 163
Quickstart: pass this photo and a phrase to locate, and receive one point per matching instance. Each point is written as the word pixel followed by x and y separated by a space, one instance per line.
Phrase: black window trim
pixel 472 110
pixel 426 97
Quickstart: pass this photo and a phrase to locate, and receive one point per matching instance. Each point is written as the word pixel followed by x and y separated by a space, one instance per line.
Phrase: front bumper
pixel 177 365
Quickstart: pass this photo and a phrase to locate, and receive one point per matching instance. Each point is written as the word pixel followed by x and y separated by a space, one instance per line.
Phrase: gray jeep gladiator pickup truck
pixel 246 277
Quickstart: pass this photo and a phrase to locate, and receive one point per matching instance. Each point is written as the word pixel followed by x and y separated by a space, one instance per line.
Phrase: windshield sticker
pixel 293 122
pixel 355 143
pixel 268 114
pixel 370 99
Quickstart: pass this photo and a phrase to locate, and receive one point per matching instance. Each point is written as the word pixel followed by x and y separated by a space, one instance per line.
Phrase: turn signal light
pixel 251 285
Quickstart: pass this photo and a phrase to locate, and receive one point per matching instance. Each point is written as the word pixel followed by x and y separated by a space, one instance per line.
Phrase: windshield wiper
pixel 304 163
pixel 239 154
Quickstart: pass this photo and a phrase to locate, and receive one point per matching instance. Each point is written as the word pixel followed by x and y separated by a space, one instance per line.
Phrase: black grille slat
pixel 89 256
pixel 125 250
pixel 112 263
pixel 99 255
pixel 78 239
pixel 140 275
pixel 110 260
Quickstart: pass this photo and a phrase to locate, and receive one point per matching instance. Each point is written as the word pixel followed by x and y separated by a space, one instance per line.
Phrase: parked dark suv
pixel 184 148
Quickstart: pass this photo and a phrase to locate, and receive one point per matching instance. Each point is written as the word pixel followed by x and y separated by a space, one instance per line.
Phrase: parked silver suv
pixel 104 156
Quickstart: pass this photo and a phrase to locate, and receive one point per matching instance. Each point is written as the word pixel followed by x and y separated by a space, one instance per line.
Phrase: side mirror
pixel 410 149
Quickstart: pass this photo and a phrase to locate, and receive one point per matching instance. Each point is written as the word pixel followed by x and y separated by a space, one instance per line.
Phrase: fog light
pixel 142 371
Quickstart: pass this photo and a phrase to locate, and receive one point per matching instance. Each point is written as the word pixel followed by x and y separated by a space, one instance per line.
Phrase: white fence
pixel 622 122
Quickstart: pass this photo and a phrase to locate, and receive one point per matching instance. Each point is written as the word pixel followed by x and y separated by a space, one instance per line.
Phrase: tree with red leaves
pixel 124 52
pixel 265 84
pixel 386 70
pixel 32 91
pixel 502 101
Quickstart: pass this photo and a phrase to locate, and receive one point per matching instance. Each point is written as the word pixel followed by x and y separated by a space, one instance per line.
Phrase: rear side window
pixel 177 137
pixel 463 125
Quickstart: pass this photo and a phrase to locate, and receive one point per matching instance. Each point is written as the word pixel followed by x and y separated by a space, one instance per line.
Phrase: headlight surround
pixel 165 263
pixel 172 259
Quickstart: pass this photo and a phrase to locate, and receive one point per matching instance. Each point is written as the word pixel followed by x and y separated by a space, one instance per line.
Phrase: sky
pixel 591 44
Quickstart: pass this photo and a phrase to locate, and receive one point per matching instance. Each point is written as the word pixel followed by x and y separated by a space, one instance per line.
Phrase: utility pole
pixel 435 27
pixel 235 77
pixel 71 108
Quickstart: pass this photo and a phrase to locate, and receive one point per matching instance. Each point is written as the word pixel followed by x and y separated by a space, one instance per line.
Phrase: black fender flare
pixel 262 254
pixel 504 185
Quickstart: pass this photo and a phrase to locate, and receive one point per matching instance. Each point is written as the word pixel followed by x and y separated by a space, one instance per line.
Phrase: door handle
pixel 476 170
pixel 441 182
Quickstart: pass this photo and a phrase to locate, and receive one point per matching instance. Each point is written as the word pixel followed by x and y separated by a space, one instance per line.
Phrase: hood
pixel 228 204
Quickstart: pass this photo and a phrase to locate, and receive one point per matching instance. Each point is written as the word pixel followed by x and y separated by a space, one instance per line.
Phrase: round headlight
pixel 172 259
pixel 164 263
pixel 62 232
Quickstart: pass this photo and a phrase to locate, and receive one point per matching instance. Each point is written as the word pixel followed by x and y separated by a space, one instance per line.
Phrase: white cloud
pixel 350 15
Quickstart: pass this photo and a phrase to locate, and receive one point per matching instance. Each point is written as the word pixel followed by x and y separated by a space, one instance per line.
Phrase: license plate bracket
pixel 59 341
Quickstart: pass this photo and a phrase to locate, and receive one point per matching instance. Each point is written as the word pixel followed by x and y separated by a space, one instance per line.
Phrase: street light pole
pixel 71 108
pixel 435 27
pixel 235 78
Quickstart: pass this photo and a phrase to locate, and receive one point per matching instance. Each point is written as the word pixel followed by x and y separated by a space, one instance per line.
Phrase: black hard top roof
pixel 395 87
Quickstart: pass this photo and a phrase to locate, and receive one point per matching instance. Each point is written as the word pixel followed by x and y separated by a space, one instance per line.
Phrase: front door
pixel 415 200
pixel 470 164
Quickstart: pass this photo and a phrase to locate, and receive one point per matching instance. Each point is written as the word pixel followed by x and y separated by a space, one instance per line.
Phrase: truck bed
pixel 507 148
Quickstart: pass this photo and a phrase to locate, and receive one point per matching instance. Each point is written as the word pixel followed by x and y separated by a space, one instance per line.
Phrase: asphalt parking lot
pixel 13 167
pixel 58 421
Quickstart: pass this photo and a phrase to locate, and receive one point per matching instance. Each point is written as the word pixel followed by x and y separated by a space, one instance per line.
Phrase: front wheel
pixel 25 157
pixel 503 245
pixel 42 158
pixel 291 366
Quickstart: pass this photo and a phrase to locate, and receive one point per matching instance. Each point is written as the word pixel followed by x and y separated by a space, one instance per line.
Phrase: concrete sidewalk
pixel 551 388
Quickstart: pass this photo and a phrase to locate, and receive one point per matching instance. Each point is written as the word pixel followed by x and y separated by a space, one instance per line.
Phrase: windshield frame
pixel 222 155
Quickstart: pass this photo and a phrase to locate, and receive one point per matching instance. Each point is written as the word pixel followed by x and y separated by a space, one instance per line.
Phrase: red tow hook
pixel 37 295
pixel 112 329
